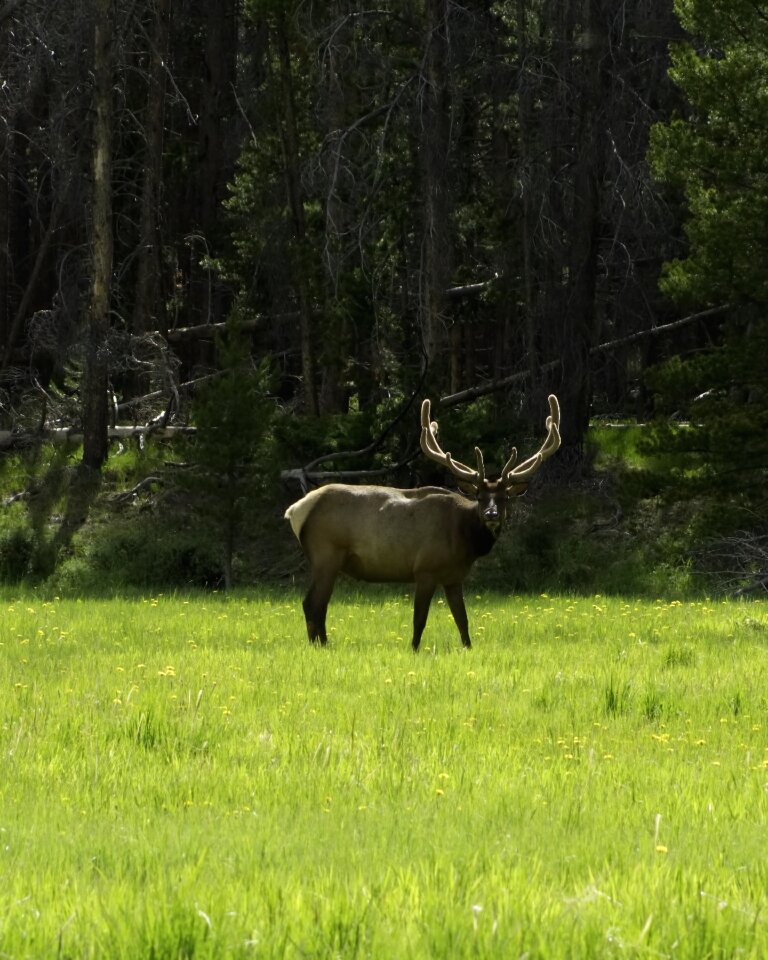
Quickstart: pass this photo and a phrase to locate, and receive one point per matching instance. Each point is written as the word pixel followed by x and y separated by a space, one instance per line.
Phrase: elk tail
pixel 298 512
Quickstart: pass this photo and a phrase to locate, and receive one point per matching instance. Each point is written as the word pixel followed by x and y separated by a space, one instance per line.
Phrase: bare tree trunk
pixel 434 148
pixel 95 420
pixel 146 315
pixel 524 119
pixel 290 140
pixel 580 326
pixel 5 169
pixel 570 225
pixel 216 165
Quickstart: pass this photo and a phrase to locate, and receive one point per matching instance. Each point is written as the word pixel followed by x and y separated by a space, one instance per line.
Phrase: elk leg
pixel 421 602
pixel 316 605
pixel 455 597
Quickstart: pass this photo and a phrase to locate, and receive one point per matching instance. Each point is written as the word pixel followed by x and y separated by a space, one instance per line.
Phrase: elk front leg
pixel 422 599
pixel 455 597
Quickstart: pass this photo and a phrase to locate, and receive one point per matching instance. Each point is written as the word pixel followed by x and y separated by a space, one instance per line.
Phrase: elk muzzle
pixel 492 509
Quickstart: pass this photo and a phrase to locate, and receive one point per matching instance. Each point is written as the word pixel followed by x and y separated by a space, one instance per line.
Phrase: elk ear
pixel 468 489
pixel 516 490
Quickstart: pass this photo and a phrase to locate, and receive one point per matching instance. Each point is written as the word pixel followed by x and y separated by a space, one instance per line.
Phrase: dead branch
pixel 141 485
pixel 313 478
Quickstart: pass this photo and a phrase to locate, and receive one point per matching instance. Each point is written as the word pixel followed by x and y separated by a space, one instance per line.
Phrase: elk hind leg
pixel 455 597
pixel 316 602
pixel 422 599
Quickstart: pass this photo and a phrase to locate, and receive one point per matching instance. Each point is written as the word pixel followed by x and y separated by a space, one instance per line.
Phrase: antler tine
pixel 525 470
pixel 432 449
pixel 510 463
pixel 480 466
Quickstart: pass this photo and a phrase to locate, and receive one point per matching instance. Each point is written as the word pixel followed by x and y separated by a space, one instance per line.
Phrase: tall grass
pixel 185 776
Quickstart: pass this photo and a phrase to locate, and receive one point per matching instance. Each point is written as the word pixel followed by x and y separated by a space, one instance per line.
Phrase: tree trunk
pixel 525 123
pixel 575 143
pixel 94 398
pixel 435 145
pixel 146 315
pixel 290 141
pixel 5 197
pixel 580 325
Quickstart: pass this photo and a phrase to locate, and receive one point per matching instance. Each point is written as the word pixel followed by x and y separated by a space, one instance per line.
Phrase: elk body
pixel 428 536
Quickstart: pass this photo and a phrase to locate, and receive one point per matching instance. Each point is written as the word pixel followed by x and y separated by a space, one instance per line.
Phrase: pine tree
pixel 717 157
pixel 232 413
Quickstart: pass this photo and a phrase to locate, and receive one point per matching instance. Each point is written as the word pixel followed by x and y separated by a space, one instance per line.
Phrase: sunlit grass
pixel 186 776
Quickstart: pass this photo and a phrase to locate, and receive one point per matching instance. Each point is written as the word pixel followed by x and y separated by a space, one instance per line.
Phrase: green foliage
pixel 717 157
pixel 187 778
pixel 722 394
pixel 301 440
pixel 145 552
pixel 584 543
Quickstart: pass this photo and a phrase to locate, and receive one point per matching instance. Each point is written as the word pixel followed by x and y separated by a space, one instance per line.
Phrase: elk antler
pixel 432 449
pixel 510 474
pixel 525 470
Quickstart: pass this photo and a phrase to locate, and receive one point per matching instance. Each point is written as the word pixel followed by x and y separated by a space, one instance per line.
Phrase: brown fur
pixel 428 536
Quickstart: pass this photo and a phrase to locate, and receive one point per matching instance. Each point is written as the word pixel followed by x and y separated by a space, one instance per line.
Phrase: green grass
pixel 187 777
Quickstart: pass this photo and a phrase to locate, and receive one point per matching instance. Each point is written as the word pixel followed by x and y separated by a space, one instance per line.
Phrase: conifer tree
pixel 716 156
pixel 232 413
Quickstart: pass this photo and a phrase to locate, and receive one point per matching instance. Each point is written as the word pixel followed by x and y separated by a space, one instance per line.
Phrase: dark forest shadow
pixel 59 504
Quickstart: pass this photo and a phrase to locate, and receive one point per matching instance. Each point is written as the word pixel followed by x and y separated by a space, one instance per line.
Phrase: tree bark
pixel 435 145
pixel 290 141
pixel 94 391
pixel 5 198
pixel 146 315
pixel 525 124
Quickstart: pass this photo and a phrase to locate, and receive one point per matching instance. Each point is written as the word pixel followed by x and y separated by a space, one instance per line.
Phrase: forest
pixel 241 240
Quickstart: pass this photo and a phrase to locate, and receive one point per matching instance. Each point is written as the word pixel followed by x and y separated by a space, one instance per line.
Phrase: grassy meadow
pixel 186 776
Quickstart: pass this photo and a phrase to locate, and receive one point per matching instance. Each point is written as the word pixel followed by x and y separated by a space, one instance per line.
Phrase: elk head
pixel 492 495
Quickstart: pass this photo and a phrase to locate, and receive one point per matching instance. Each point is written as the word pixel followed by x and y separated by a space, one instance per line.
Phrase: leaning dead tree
pixel 309 475
pixel 483 389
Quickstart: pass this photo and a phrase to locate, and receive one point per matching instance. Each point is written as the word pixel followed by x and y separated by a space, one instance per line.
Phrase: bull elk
pixel 428 535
